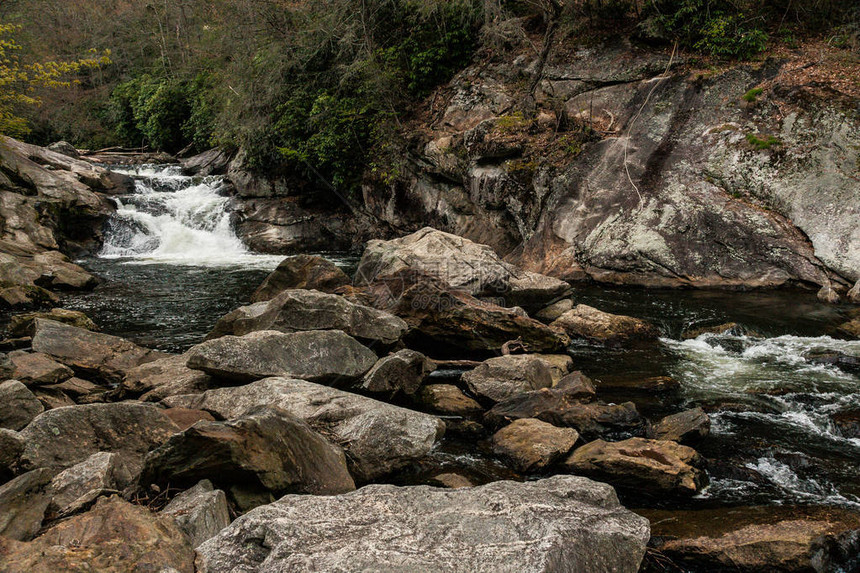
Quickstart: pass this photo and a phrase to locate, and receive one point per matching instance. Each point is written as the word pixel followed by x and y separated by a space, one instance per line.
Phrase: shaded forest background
pixel 323 89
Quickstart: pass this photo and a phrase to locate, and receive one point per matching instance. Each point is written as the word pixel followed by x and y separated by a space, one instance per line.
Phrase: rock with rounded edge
pixel 201 512
pixel 93 354
pixel 558 524
pixel 448 399
pixel 850 328
pixel 317 355
pixel 788 539
pixel 34 368
pixel 688 427
pixel 265 448
pixel 554 311
pixel 446 319
pixel 24 324
pixel 66 436
pixel 18 406
pixel 461 264
pixel 77 487
pixel 502 377
pixel 404 371
pixel 165 377
pixel 572 403
pixel 23 502
pixel 853 294
pixel 532 445
pixel 299 310
pixel 113 537
pixel 560 365
pixel 301 272
pixel 378 438
pixel 657 466
pixel 586 322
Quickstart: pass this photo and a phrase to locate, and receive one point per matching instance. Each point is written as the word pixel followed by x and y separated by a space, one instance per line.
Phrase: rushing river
pixel 172 265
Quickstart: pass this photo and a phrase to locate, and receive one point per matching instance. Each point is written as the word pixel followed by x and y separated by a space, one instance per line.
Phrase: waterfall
pixel 172 218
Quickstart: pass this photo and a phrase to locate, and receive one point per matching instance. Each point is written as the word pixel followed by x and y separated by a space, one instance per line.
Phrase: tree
pixel 18 81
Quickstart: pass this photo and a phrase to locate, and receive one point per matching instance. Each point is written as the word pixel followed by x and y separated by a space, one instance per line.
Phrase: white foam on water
pixel 782 476
pixel 176 219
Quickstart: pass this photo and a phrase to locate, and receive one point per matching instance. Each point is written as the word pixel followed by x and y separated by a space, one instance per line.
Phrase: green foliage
pixel 715 27
pixel 162 113
pixel 752 94
pixel 762 143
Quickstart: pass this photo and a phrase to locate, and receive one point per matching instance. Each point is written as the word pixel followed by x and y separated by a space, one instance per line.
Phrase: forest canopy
pixel 321 88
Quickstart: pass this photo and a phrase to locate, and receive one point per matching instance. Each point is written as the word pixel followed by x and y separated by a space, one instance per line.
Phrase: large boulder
pixel 317 355
pixel 18 406
pixel 210 162
pixel 309 272
pixel 404 371
pixel 66 436
pixel 788 539
pixel 572 403
pixel 113 537
pixel 460 263
pixel 34 368
pixel 201 512
pixel 656 466
pixel 454 321
pixel 92 354
pixel 532 445
pixel 165 377
pixel 265 449
pixel 502 377
pixel 559 524
pixel 378 438
pixel 23 502
pixel 585 322
pixel 302 310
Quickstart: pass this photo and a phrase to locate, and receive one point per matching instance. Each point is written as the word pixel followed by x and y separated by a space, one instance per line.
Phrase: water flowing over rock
pixel 91 353
pixel 319 355
pixel 67 436
pixel 378 438
pixel 460 263
pixel 308 272
pixel 788 539
pixel 264 449
pixel 554 525
pixel 660 467
pixel 113 537
pixel 505 376
pixel 305 310
pixel 201 512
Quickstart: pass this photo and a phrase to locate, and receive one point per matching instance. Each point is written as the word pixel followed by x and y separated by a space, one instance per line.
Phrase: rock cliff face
pixel 50 204
pixel 619 173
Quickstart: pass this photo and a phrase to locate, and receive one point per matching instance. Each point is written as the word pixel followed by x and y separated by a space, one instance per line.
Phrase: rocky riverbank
pixel 267 446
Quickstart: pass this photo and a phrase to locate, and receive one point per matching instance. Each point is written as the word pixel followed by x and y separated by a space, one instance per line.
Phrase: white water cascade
pixel 176 219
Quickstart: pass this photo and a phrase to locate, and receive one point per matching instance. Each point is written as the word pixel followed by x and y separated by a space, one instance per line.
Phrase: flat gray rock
pixel 298 310
pixel 320 356
pixel 560 524
pixel 378 438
